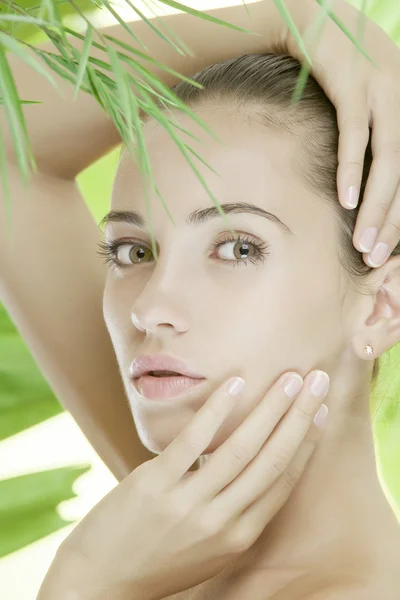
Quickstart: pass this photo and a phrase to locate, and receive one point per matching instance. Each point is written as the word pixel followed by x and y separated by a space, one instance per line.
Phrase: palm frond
pixel 79 69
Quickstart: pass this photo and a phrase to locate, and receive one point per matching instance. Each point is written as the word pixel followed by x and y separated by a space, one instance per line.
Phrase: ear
pixel 381 326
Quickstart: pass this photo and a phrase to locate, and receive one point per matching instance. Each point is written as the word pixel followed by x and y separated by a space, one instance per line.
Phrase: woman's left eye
pixel 237 251
pixel 243 249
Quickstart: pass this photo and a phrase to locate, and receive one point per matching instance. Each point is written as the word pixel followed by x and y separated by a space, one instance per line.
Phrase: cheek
pixel 286 325
pixel 109 306
pixel 116 312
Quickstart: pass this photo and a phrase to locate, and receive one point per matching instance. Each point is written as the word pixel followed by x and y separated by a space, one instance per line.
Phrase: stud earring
pixel 368 349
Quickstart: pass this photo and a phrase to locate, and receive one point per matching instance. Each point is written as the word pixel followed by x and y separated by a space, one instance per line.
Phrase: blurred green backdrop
pixel 28 503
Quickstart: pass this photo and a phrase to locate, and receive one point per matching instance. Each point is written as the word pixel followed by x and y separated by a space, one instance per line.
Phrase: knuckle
pixel 240 540
pixel 208 525
pixel 188 442
pixel 381 208
pixel 354 163
pixel 291 477
pixel 240 452
pixel 358 126
pixel 174 507
pixel 352 120
pixel 217 409
pixel 306 412
pixel 141 478
pixel 280 460
pixel 387 90
pixel 382 88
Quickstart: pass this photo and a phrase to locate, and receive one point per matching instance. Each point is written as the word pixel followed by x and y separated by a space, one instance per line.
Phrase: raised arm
pixel 68 136
pixel 51 280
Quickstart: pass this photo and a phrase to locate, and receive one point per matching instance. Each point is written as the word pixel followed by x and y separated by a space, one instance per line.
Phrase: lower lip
pixel 162 388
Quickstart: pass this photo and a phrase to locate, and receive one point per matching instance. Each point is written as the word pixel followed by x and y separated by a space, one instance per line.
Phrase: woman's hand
pixel 363 96
pixel 164 529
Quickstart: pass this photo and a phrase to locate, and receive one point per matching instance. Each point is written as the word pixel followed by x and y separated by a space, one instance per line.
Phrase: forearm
pixel 68 136
pixel 70 578
pixel 56 303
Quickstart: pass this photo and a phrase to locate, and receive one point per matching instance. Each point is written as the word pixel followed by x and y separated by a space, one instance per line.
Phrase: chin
pixel 157 429
pixel 157 443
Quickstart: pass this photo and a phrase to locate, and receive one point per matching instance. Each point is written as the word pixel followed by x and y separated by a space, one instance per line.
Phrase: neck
pixel 337 523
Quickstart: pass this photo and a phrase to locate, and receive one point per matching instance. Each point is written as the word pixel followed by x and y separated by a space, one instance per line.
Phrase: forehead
pixel 252 162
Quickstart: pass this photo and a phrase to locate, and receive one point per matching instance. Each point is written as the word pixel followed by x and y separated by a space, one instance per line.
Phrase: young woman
pixel 251 522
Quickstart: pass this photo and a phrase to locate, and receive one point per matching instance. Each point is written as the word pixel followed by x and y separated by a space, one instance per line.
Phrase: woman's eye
pixel 129 254
pixel 236 250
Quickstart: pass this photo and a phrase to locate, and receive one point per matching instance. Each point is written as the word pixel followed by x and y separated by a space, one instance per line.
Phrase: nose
pixel 156 319
pixel 158 316
pixel 163 302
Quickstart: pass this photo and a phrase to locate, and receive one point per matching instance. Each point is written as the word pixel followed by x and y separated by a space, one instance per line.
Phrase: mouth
pixel 163 374
pixel 163 385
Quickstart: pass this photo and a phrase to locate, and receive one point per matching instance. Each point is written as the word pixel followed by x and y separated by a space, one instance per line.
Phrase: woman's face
pixel 283 308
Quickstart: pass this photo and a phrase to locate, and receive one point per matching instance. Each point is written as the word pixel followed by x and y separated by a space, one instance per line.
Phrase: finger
pixel 352 116
pixel 383 178
pixel 274 457
pixel 191 442
pixel 256 517
pixel 242 445
pixel 389 235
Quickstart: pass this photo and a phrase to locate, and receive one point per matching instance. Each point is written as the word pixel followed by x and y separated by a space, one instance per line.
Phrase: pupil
pixel 246 248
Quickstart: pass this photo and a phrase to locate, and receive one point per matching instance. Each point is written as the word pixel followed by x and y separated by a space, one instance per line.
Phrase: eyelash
pixel 109 250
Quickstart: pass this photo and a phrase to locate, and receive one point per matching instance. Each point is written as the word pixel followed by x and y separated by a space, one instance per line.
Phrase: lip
pixel 164 388
pixel 161 362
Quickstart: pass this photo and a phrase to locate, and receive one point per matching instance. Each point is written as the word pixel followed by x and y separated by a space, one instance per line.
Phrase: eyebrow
pixel 197 217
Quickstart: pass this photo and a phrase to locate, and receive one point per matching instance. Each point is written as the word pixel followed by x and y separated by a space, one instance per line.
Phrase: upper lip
pixel 160 362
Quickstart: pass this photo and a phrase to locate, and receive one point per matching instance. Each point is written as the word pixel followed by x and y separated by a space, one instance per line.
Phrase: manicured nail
pixel 235 386
pixel 292 384
pixel 319 384
pixel 378 255
pixel 320 417
pixel 352 196
pixel 367 240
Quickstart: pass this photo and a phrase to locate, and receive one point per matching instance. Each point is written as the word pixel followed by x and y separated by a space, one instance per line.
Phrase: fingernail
pixel 378 255
pixel 319 384
pixel 235 386
pixel 367 239
pixel 292 384
pixel 352 196
pixel 320 417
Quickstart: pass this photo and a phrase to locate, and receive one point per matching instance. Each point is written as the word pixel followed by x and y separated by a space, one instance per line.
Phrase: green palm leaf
pixel 78 71
pixel 28 505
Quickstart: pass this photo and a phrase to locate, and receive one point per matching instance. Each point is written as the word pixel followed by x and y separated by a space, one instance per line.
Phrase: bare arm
pixel 51 280
pixel 68 136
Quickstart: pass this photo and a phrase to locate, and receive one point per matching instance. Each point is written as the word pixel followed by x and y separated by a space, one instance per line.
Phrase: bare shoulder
pixel 351 587
pixel 378 590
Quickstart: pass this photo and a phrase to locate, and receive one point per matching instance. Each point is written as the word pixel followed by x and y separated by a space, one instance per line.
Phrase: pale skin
pixel 62 349
pixel 325 531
